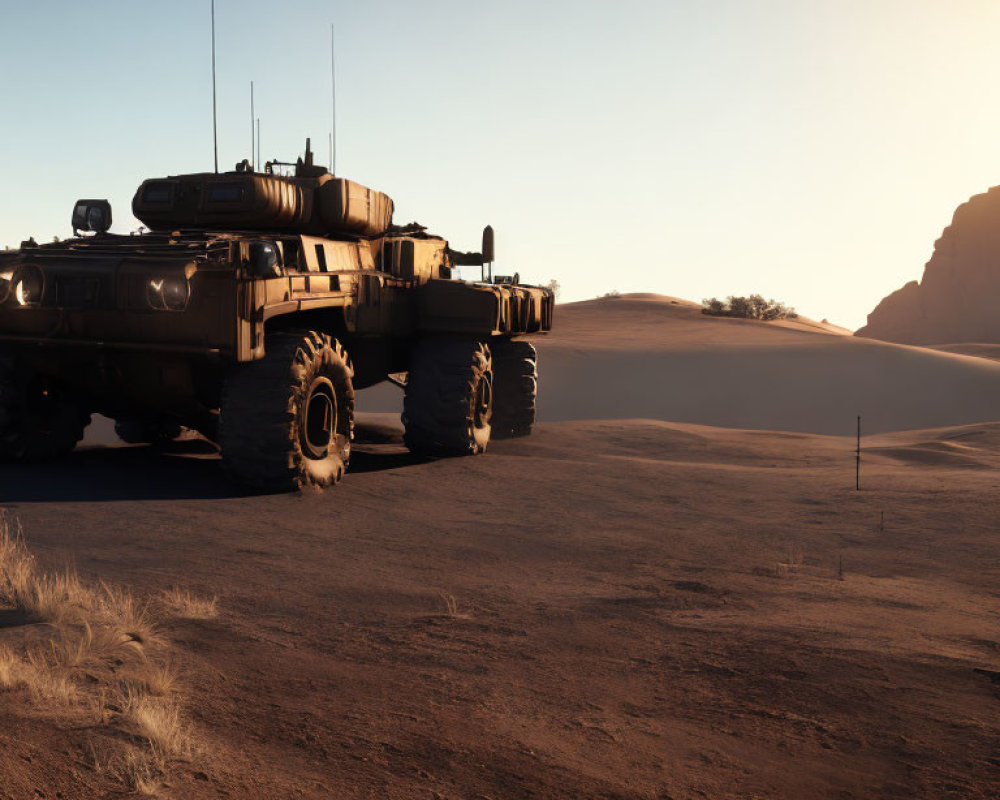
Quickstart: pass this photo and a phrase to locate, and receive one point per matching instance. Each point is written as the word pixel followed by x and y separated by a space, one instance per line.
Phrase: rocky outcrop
pixel 958 298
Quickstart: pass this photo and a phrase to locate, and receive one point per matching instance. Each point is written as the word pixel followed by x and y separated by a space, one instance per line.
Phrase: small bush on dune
pixel 752 307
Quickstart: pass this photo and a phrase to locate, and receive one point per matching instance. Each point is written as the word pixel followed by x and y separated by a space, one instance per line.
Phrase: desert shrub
pixel 554 286
pixel 613 293
pixel 753 306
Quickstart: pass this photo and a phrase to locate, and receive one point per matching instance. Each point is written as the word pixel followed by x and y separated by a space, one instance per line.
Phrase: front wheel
pixel 287 421
pixel 40 419
pixel 448 404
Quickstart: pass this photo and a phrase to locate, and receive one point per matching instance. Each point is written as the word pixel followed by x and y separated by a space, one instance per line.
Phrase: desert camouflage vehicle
pixel 251 311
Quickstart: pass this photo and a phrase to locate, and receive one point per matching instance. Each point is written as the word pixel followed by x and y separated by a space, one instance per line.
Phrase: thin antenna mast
pixel 215 128
pixel 333 86
pixel 253 151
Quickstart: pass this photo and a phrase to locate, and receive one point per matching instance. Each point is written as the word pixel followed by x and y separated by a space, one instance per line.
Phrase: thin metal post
pixel 857 461
pixel 215 128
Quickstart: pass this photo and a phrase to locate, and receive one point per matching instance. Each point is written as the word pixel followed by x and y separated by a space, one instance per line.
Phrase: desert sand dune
pixel 676 364
pixel 978 349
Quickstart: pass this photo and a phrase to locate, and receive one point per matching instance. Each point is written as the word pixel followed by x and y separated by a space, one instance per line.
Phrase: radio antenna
pixel 253 136
pixel 333 87
pixel 215 128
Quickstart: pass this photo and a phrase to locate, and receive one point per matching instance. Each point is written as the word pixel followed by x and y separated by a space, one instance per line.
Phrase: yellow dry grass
pixel 8 668
pixel 102 642
pixel 158 721
pixel 183 603
pixel 138 770
pixel 156 679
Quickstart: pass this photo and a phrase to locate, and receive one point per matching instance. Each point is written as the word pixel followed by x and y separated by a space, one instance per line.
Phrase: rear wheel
pixel 515 387
pixel 40 419
pixel 449 397
pixel 287 421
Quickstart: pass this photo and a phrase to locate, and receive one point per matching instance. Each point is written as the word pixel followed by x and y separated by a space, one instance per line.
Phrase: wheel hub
pixel 318 419
pixel 483 410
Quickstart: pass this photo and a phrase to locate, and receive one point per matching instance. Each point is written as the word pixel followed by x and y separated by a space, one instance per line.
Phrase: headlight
pixel 28 285
pixel 168 294
pixel 6 278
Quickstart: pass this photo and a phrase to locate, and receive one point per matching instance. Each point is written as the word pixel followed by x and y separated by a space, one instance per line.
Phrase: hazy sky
pixel 811 151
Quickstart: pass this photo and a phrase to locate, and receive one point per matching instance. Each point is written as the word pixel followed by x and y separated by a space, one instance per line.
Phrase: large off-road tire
pixel 515 387
pixel 39 418
pixel 147 431
pixel 287 421
pixel 449 397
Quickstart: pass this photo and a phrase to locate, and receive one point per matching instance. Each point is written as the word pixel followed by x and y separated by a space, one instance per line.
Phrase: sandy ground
pixel 616 607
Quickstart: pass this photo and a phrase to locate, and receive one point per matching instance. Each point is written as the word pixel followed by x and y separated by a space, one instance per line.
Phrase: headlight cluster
pixel 26 284
pixel 168 294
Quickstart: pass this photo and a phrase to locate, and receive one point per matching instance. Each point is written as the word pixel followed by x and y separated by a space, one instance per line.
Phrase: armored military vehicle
pixel 251 310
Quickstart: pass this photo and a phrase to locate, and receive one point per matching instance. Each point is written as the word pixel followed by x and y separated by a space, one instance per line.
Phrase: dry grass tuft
pixel 139 770
pixel 46 597
pixel 183 603
pixel 129 615
pixel 56 597
pixel 451 606
pixel 9 668
pixel 16 563
pixel 158 721
pixel 83 645
pixel 45 683
pixel 95 633
pixel 158 680
pixel 140 774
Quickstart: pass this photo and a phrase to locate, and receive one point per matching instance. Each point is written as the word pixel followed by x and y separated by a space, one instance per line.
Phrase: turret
pixel 311 201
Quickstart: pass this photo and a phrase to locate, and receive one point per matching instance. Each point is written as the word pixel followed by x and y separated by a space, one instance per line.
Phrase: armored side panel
pixel 344 206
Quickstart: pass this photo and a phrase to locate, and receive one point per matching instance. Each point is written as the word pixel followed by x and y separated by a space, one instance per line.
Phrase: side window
pixel 292 254
pixel 263 259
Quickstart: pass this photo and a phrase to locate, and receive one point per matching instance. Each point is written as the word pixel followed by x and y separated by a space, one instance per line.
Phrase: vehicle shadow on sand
pixel 184 470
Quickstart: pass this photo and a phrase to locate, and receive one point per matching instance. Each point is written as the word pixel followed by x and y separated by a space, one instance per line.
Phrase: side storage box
pixel 413 259
pixel 456 307
pixel 233 200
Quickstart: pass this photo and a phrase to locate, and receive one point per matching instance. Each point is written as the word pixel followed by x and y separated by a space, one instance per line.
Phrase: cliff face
pixel 958 298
